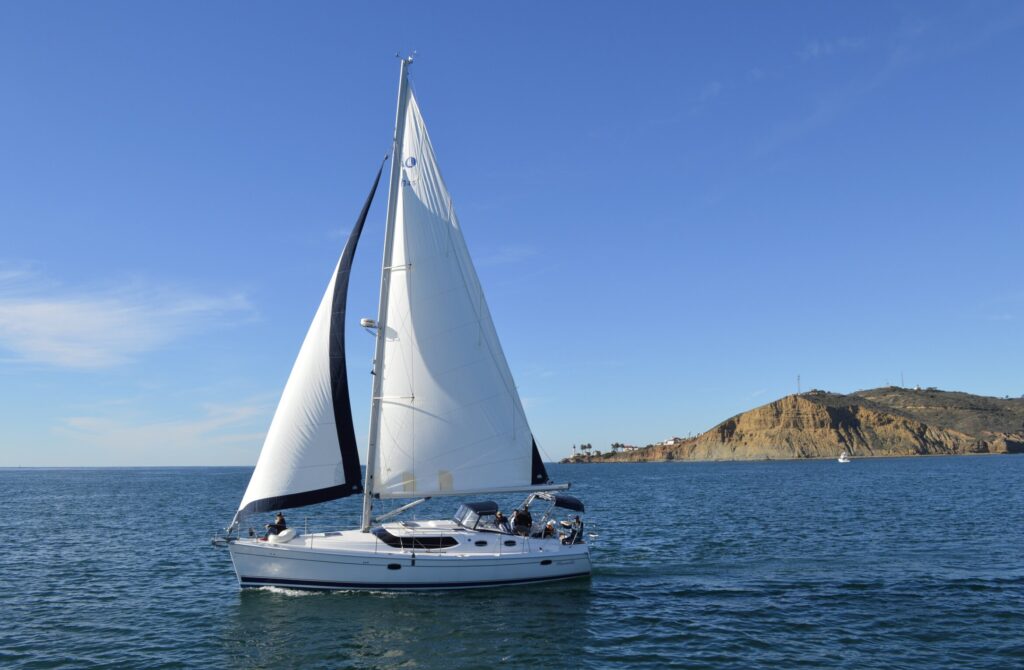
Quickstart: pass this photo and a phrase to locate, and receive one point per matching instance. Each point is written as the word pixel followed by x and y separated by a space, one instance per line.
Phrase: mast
pixel 385 281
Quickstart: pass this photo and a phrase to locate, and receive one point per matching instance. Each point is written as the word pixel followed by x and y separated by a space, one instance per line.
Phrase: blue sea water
pixel 894 563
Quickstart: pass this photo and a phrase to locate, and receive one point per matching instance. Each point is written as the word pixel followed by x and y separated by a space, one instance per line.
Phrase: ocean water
pixel 895 563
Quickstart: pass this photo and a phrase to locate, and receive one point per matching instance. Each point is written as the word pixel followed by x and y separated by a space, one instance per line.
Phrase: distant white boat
pixel 844 457
pixel 445 420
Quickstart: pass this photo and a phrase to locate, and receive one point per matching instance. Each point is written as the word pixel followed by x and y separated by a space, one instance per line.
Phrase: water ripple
pixel 899 563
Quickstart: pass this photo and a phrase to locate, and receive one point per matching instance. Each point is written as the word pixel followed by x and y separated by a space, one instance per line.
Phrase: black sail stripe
pixel 297 499
pixel 540 473
pixel 339 372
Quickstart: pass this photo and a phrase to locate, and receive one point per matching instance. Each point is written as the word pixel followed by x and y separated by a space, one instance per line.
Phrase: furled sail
pixel 310 455
pixel 450 417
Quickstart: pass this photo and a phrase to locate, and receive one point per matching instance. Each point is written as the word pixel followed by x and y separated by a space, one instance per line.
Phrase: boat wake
pixel 285 591
pixel 280 590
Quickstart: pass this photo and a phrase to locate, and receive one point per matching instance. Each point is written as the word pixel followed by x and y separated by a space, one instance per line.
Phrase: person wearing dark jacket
pixel 278 526
pixel 522 522
pixel 575 531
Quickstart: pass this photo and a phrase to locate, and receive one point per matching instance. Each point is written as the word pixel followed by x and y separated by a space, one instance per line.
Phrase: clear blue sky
pixel 675 208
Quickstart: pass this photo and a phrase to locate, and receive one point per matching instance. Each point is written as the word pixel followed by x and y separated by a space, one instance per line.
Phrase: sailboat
pixel 445 420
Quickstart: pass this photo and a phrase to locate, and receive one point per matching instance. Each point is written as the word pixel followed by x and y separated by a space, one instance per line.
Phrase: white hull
pixel 356 560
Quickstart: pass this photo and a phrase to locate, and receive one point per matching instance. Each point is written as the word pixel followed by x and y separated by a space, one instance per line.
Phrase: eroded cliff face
pixel 821 425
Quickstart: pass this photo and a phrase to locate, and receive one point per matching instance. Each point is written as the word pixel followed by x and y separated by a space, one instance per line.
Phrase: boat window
pixel 415 542
pixel 466 517
pixel 473 514
pixel 488 523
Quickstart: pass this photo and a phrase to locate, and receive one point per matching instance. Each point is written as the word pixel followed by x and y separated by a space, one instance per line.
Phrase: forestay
pixel 450 418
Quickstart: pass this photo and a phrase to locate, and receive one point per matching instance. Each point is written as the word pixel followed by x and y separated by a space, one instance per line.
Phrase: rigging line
pixel 543 452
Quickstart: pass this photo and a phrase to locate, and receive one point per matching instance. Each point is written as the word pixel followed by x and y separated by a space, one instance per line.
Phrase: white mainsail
pixel 450 418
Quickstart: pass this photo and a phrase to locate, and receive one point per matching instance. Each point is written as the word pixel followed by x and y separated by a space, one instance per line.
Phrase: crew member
pixel 278 526
pixel 522 522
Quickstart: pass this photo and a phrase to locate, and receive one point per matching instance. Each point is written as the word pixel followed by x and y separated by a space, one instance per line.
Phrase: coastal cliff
pixel 890 421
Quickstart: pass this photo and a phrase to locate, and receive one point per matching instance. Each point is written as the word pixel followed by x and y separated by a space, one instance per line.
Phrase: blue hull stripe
pixel 316 585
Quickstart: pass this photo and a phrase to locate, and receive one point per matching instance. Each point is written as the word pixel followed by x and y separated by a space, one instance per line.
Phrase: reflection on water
pixel 519 626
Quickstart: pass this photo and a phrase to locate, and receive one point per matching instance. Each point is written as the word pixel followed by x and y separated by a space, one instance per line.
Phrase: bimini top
pixel 484 507
pixel 563 500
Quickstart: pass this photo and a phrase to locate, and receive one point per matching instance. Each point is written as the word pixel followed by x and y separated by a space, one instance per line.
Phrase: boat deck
pixel 422 538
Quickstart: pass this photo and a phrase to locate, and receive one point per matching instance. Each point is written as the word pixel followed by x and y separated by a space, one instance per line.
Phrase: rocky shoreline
pixel 884 422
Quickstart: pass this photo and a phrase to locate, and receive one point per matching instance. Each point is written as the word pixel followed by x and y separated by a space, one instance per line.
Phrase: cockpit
pixel 486 516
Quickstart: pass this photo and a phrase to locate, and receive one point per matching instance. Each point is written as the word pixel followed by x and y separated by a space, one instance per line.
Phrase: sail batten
pixel 310 454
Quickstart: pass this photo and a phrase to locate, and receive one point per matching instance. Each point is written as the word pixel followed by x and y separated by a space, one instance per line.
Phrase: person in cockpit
pixel 522 522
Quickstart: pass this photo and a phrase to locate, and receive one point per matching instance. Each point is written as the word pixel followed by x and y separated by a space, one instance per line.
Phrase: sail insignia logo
pixel 409 162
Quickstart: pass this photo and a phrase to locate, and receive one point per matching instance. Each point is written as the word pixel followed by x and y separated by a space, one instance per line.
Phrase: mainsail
pixel 450 417
pixel 310 455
